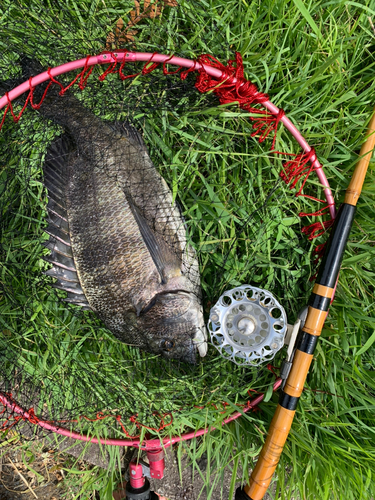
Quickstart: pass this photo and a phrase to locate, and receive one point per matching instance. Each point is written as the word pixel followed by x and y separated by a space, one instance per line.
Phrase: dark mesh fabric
pixel 222 218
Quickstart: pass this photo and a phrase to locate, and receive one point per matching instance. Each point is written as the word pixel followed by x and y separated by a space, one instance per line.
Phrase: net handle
pixel 108 58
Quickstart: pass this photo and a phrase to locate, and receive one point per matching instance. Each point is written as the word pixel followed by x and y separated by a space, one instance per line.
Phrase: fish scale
pixel 118 241
pixel 123 262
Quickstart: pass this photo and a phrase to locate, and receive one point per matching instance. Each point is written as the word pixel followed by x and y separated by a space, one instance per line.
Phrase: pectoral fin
pixel 166 259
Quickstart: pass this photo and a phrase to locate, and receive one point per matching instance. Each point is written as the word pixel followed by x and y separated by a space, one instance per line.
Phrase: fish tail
pixel 8 85
pixel 60 109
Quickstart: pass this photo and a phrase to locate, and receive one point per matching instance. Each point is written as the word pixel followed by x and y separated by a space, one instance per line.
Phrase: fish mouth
pixel 200 341
pixel 189 321
pixel 194 311
pixel 188 350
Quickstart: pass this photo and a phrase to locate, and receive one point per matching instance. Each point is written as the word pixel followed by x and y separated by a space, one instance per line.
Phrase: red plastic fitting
pixel 137 479
pixel 157 464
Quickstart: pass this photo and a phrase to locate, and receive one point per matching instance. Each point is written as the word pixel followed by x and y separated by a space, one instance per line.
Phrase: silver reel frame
pixel 248 325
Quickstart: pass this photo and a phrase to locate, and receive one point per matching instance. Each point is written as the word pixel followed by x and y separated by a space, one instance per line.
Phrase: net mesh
pixel 188 203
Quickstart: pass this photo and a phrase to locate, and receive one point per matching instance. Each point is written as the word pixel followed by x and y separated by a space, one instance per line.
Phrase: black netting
pixel 165 201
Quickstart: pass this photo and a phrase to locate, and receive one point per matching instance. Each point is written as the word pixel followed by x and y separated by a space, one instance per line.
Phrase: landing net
pixel 228 215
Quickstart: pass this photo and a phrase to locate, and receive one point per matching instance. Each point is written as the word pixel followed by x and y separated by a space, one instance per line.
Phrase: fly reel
pixel 248 325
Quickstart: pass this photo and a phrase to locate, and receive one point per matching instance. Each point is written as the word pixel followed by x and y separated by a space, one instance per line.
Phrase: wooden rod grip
pixel 279 429
pixel 270 454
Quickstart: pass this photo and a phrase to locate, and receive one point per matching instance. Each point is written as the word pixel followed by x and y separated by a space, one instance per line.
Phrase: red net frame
pixel 230 86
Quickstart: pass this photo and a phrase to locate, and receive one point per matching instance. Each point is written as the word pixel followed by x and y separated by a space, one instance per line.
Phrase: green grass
pixel 315 61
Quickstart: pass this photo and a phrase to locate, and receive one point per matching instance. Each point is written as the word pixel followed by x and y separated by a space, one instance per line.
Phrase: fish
pixel 117 240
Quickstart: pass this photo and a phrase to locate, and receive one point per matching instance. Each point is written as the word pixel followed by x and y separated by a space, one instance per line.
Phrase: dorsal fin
pixel 57 234
pixel 67 286
pixel 78 299
pixel 59 222
pixel 56 181
pixel 127 130
pixel 59 247
pixel 59 260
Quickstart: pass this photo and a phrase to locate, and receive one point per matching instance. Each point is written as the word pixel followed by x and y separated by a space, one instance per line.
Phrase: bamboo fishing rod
pixel 308 336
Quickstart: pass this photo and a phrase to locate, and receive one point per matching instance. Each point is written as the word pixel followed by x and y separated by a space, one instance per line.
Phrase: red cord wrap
pixel 264 125
pixel 166 72
pixel 233 87
pixel 55 81
pixel 82 76
pixel 230 87
pixel 319 252
pixel 298 168
pixel 317 229
pixel 32 417
pixel 9 106
pixel 31 94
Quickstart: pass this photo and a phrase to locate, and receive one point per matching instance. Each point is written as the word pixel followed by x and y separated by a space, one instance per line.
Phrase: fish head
pixel 174 326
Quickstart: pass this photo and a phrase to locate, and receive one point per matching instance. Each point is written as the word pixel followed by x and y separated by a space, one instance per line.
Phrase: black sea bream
pixel 118 242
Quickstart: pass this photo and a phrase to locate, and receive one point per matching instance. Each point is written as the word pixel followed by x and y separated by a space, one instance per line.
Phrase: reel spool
pixel 248 325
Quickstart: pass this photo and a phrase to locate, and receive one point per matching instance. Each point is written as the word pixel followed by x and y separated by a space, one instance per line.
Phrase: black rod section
pixel 330 266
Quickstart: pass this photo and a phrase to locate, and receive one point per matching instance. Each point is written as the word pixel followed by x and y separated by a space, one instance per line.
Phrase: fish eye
pixel 167 345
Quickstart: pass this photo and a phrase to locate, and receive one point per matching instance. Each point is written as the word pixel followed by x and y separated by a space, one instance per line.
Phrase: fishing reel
pixel 248 325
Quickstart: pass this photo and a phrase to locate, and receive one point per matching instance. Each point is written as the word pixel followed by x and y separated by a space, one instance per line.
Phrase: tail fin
pixel 55 107
pixel 8 85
